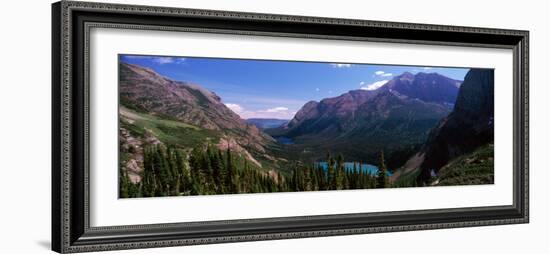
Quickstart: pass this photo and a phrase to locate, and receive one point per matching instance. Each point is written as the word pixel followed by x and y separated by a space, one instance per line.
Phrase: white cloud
pixel 168 60
pixel 276 109
pixel 373 86
pixel 383 74
pixel 163 60
pixel 340 65
pixel 427 68
pixel 159 59
pixel 276 112
pixel 235 107
pixel 134 57
pixel 317 89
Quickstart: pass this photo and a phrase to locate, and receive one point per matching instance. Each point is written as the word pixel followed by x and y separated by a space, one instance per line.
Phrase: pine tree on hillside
pixel 382 180
pixel 340 172
pixel 331 174
pixel 217 165
pixel 206 167
pixel 148 176
pixel 223 175
pixel 308 186
pixel 248 176
pixel 231 170
pixel 196 164
pixel 124 184
pixel 182 172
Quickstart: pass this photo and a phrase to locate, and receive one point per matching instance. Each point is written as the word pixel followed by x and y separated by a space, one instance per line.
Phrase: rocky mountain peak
pixel 145 90
pixel 428 87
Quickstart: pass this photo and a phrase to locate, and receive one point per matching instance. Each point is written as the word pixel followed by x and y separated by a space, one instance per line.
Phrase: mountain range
pixel 396 117
pixel 267 123
pixel 421 121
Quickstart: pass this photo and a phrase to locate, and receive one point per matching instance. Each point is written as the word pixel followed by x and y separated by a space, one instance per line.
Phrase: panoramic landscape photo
pixel 210 126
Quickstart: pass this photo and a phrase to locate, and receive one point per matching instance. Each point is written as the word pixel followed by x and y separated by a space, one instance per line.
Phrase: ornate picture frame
pixel 71 228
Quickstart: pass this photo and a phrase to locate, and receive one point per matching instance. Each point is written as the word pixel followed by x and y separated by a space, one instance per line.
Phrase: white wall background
pixel 25 125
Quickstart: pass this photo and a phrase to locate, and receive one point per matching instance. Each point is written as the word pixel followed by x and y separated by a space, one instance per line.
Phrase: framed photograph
pixel 181 126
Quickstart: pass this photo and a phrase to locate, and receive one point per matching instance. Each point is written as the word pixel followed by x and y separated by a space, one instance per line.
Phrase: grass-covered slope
pixel 169 132
pixel 473 168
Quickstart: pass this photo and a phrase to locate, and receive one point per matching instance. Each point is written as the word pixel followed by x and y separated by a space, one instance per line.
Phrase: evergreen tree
pixel 340 172
pixel 175 175
pixel 331 175
pixel 381 180
pixel 148 177
pixel 232 177
pixel 183 172
pixel 124 184
pixel 206 167
pixel 134 190
pixel 170 171
pixel 247 177
pixel 197 174
pixel 217 165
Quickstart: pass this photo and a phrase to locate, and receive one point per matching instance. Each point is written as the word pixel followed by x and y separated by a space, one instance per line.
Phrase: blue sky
pixel 277 89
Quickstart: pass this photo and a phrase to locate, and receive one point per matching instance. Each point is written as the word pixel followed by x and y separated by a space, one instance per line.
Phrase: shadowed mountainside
pixel 469 126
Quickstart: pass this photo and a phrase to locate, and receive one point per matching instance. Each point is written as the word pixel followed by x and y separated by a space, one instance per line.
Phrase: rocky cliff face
pixel 468 127
pixel 428 87
pixel 144 90
pixel 330 116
